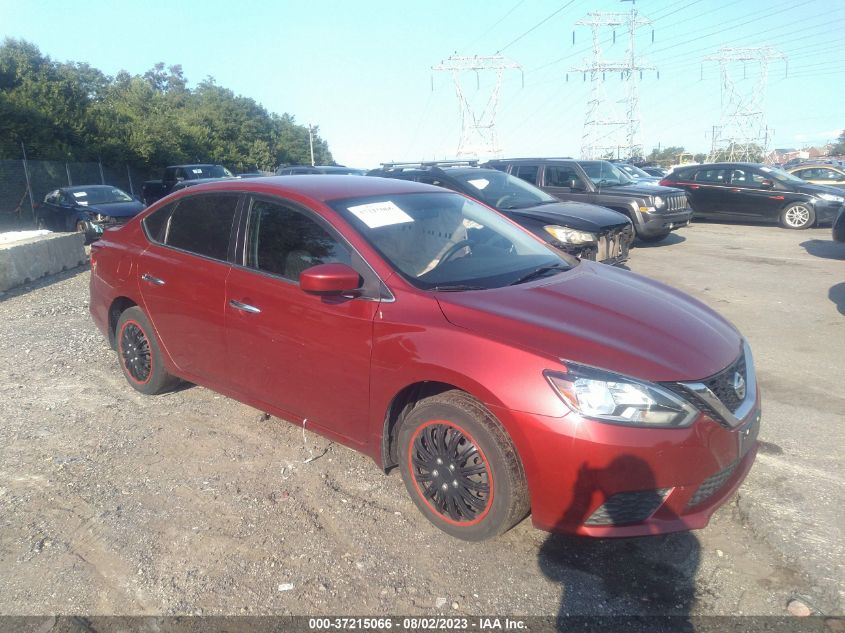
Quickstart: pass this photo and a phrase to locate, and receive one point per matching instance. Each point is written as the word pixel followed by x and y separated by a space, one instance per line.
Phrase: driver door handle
pixel 244 307
pixel 152 280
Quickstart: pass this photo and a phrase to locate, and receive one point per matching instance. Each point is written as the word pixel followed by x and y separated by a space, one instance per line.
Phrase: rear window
pixel 155 222
pixel 202 224
pixel 717 176
pixel 527 172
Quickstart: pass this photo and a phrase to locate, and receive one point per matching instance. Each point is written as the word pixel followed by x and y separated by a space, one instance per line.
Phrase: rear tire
pixel 797 215
pixel 139 354
pixel 460 467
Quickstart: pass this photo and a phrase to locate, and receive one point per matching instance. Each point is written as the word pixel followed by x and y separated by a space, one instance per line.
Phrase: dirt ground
pixel 191 503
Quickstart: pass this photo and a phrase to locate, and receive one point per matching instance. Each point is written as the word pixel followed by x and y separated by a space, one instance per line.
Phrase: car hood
pixel 817 189
pixel 576 215
pixel 117 209
pixel 641 189
pixel 605 317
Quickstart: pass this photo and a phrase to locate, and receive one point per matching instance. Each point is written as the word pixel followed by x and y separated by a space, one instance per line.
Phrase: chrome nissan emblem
pixel 739 385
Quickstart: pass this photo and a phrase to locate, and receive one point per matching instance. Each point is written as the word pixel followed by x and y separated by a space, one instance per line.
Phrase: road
pixel 191 503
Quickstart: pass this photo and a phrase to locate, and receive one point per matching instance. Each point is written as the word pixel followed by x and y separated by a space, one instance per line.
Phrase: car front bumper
pixel 613 247
pixel 655 223
pixel 604 480
pixel 826 211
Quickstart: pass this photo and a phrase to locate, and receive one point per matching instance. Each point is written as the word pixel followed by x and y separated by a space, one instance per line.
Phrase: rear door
pixel 708 193
pixel 304 354
pixel 182 278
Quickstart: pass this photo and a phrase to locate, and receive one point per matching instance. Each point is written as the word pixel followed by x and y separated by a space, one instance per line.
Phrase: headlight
pixel 831 198
pixel 570 236
pixel 609 397
pixel 659 202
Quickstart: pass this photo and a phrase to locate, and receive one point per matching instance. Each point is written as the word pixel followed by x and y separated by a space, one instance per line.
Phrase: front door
pixel 564 182
pixel 303 354
pixel 749 199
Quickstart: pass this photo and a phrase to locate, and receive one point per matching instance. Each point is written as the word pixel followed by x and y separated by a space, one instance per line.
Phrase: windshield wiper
pixel 539 272
pixel 457 287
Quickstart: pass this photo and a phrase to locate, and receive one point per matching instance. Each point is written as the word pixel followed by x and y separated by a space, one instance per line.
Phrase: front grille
pixel 712 485
pixel 722 386
pixel 676 202
pixel 628 507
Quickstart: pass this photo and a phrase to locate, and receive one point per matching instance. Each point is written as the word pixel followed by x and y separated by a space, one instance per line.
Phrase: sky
pixel 362 71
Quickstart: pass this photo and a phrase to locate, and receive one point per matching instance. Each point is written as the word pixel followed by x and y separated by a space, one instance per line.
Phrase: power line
pixel 498 22
pixel 536 26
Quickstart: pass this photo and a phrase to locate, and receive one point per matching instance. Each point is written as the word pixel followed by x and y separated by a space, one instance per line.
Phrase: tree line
pixel 74 112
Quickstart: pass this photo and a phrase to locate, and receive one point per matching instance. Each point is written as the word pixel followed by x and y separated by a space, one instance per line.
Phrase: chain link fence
pixel 20 177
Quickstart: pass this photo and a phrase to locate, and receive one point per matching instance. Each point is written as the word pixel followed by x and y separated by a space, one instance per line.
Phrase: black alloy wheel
pixel 135 350
pixel 460 466
pixel 140 355
pixel 451 472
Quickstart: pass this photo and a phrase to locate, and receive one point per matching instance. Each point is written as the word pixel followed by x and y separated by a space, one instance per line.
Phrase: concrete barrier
pixel 26 260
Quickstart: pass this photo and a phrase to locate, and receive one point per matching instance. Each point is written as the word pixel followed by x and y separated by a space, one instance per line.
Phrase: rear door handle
pixel 244 307
pixel 152 280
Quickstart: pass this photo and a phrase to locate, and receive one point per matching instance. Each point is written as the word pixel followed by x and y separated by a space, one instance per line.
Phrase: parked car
pixel 655 171
pixel 184 184
pixel 427 331
pixel 820 174
pixel 756 193
pixel 156 189
pixel 576 228
pixel 635 173
pixel 839 227
pixel 655 211
pixel 88 209
pixel 336 170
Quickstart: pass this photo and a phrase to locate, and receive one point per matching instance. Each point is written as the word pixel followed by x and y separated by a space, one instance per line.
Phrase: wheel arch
pixel 117 307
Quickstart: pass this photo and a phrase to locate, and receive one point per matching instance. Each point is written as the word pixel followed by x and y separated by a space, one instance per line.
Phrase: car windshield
pixel 503 191
pixel 211 171
pixel 99 195
pixel 604 174
pixel 445 241
pixel 780 175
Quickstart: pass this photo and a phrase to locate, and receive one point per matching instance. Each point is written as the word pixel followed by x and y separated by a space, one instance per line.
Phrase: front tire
pixel 139 354
pixel 797 215
pixel 461 468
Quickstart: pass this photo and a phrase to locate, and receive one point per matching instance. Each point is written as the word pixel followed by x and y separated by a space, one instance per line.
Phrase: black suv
pixel 756 193
pixel 655 211
pixel 584 230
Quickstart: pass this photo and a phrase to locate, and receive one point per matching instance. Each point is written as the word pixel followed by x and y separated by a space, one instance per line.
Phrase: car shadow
pixel 837 295
pixel 647 580
pixel 669 240
pixel 827 249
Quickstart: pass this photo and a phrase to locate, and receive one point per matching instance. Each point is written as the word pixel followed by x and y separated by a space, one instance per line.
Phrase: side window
pixel 180 173
pixel 285 242
pixel 806 174
pixel 746 178
pixel 202 224
pixel 527 172
pixel 155 222
pixel 829 174
pixel 713 176
pixel 560 176
pixel 52 198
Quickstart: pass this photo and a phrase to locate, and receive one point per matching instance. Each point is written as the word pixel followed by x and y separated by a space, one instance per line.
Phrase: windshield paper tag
pixel 378 214
pixel 197 171
pixel 79 194
pixel 479 183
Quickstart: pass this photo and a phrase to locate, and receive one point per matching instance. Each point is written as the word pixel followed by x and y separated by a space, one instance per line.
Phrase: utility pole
pixel 478 126
pixel 311 142
pixel 604 126
pixel 742 133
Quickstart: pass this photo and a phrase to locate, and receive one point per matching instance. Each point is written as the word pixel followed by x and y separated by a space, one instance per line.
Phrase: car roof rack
pixel 510 160
pixel 431 163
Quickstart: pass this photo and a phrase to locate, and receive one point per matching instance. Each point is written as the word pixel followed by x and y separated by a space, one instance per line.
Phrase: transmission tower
pixel 742 133
pixel 478 125
pixel 605 128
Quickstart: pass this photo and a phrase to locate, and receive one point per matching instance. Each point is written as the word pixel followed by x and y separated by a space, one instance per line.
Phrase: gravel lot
pixel 191 503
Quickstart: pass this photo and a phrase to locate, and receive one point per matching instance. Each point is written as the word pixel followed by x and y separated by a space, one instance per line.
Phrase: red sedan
pixel 431 333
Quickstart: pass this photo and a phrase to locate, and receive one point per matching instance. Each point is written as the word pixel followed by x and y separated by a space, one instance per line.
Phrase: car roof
pixel 811 165
pixel 321 189
pixel 86 188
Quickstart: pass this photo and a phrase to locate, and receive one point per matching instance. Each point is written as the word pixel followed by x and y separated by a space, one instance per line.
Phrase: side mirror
pixel 330 279
pixel 767 184
pixel 575 185
pixel 179 179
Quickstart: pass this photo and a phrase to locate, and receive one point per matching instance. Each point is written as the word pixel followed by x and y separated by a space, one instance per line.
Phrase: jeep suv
pixel 583 230
pixel 655 211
